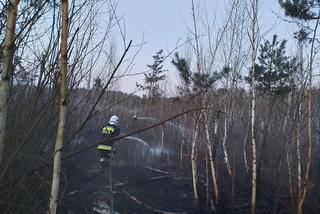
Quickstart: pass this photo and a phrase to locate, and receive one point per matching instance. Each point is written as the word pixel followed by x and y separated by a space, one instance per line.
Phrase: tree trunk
pixel 62 110
pixel 290 173
pixel 286 152
pixel 298 133
pixel 183 142
pixel 244 148
pixel 299 96
pixel 181 150
pixel 162 137
pixel 225 135
pixel 111 185
pixel 253 106
pixel 254 158
pixel 8 52
pixel 194 165
pixel 303 189
pixel 211 159
pixel 207 184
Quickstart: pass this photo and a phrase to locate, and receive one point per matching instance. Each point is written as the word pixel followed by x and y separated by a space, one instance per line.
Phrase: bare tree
pixel 194 164
pixel 253 41
pixel 196 121
pixel 8 53
pixel 304 187
pixel 211 159
pixel 62 110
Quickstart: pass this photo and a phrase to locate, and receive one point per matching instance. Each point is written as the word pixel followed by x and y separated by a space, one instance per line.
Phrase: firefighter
pixel 110 130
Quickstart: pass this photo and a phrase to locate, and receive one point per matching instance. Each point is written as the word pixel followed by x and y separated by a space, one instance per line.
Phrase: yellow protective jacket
pixel 108 131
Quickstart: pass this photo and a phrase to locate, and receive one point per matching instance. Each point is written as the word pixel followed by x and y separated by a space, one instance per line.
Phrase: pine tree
pixel 98 85
pixel 274 69
pixel 183 67
pixel 153 79
pixel 196 81
pixel 301 9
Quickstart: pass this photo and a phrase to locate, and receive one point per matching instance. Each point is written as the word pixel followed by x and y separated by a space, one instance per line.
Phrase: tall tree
pixel 153 79
pixel 194 165
pixel 8 53
pixel 273 75
pixel 253 39
pixel 211 155
pixel 303 189
pixel 307 11
pixel 62 109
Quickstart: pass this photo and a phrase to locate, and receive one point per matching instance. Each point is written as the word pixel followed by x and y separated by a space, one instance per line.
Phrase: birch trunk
pixel 225 135
pixel 303 189
pixel 8 52
pixel 297 118
pixel 288 152
pixel 62 111
pixel 207 184
pixel 244 149
pixel 253 106
pixel 254 157
pixel 184 141
pixel 211 159
pixel 194 165
pixel 195 136
pixel 162 137
pixel 298 132
pixel 290 173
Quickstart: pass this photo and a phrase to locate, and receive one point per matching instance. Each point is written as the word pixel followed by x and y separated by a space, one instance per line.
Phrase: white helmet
pixel 114 120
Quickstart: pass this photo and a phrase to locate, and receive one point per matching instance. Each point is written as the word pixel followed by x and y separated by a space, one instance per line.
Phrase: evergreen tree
pixel 183 67
pixel 306 10
pixel 274 70
pixel 195 80
pixel 97 84
pixel 153 79
pixel 301 9
pixel 204 81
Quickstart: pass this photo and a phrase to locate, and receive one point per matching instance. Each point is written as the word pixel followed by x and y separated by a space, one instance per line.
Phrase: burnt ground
pixel 137 189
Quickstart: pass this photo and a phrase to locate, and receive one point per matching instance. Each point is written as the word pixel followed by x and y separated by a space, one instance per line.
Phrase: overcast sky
pixel 164 23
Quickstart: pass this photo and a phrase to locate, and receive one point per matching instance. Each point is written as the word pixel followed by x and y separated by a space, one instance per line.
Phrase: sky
pixel 163 24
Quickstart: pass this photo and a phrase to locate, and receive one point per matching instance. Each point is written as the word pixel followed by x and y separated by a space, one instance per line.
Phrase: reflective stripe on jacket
pixel 107 130
pixel 104 147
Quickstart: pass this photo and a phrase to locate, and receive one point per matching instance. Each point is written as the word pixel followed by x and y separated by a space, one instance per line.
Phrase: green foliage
pixel 157 74
pixel 195 80
pixel 301 35
pixel 183 67
pixel 273 73
pixel 233 76
pixel 204 81
pixel 300 9
pixel 98 84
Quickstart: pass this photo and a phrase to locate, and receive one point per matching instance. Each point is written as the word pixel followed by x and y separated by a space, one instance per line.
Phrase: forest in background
pixel 244 126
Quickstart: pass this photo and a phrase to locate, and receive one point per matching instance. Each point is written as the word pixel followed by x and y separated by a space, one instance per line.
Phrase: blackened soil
pixel 136 189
